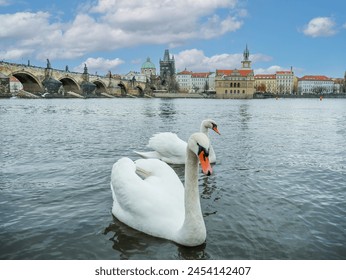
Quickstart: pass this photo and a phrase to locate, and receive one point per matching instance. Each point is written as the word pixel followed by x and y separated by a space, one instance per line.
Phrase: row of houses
pixel 243 81
pixel 284 82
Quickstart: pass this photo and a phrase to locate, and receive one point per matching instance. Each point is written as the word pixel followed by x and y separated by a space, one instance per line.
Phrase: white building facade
pixel 184 80
pixel 315 85
pixel 195 82
pixel 285 82
pixel 134 76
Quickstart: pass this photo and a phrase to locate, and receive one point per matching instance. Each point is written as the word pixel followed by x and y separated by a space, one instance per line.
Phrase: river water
pixel 277 191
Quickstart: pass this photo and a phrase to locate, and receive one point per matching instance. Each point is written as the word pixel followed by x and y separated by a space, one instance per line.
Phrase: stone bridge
pixel 51 82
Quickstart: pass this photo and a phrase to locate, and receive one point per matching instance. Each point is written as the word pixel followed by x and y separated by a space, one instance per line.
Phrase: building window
pixel 238 84
pixel 231 85
pixel 226 91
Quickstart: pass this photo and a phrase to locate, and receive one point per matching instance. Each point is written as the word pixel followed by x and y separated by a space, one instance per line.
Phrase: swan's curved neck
pixel 193 228
pixel 204 129
pixel 192 201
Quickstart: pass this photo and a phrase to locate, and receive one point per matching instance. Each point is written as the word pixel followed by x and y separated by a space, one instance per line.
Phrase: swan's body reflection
pixel 132 244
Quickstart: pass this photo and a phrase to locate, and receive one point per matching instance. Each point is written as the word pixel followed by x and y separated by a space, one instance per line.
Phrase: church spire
pixel 246 53
pixel 246 63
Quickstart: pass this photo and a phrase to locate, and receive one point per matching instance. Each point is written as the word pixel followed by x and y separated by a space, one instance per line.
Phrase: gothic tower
pixel 246 63
pixel 167 67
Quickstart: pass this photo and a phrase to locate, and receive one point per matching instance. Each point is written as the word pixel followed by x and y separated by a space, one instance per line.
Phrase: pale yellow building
pixel 265 83
pixel 236 84
pixel 282 82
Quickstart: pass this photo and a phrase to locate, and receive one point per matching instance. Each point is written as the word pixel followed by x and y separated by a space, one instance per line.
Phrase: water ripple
pixel 277 190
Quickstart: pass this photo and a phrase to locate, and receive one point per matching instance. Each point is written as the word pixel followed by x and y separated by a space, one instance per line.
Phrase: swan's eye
pixel 202 149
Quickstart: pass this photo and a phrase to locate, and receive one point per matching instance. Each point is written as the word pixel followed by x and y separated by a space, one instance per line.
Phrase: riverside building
pixel 265 83
pixel 196 82
pixel 236 84
pixel 282 82
pixel 285 82
pixel 315 85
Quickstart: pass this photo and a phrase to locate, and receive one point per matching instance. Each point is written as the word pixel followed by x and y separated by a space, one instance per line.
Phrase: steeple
pixel 166 56
pixel 246 53
pixel 246 63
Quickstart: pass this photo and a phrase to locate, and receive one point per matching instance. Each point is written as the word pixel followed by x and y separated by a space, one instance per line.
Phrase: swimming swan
pixel 168 147
pixel 159 204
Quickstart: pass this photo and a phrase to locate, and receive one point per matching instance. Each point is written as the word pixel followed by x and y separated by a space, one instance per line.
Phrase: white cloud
pixel 110 25
pixel 23 25
pixel 13 54
pixel 99 64
pixel 215 26
pixel 270 70
pixel 195 60
pixel 320 27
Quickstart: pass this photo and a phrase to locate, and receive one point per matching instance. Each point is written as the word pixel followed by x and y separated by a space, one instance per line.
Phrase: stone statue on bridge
pixel 49 66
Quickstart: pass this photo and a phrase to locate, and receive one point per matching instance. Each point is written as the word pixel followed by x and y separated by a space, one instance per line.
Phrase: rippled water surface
pixel 277 191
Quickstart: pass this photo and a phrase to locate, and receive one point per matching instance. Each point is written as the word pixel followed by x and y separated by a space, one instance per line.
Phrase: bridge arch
pixel 100 87
pixel 122 88
pixel 140 90
pixel 70 84
pixel 30 82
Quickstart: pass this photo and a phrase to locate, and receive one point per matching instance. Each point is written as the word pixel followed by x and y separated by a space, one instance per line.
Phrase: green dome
pixel 148 64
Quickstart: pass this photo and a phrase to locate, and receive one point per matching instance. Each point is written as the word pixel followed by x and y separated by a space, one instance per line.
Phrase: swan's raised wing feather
pixel 169 146
pixel 147 203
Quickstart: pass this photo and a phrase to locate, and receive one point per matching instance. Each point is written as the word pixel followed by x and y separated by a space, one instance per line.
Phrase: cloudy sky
pixel 203 35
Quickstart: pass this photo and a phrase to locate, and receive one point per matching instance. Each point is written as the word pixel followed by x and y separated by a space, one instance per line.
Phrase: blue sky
pixel 203 35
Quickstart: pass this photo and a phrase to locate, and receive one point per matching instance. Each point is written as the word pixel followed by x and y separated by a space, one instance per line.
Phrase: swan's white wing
pixel 169 146
pixel 154 205
pixel 151 154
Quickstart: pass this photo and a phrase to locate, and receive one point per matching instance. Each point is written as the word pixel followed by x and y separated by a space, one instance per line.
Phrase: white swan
pixel 159 204
pixel 168 147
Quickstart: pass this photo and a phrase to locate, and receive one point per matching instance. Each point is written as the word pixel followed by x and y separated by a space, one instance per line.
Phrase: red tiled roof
pixel 243 73
pixel 314 78
pixel 185 72
pixel 200 75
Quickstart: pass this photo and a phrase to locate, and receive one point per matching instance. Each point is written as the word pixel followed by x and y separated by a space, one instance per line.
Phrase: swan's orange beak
pixel 216 130
pixel 205 164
